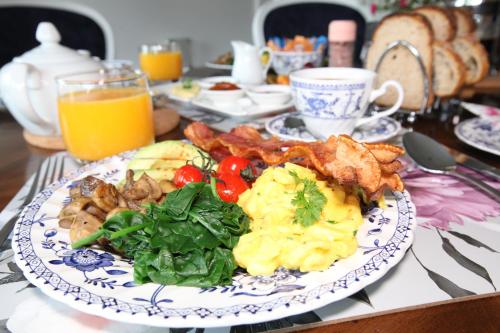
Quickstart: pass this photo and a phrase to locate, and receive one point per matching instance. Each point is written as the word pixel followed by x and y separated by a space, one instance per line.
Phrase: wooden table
pixel 472 314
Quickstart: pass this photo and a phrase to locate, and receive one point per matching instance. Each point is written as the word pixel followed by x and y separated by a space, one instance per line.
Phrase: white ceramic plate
pixel 483 134
pixel 380 130
pixel 218 66
pixel 99 283
pixel 245 108
pixel 483 111
pixel 167 89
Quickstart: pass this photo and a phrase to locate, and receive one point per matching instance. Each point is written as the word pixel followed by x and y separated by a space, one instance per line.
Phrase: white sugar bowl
pixel 28 86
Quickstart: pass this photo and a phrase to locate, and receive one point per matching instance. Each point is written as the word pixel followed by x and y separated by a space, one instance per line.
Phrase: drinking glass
pixel 161 62
pixel 104 113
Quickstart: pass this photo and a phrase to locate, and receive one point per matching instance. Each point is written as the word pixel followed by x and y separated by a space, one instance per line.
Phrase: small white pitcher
pixel 247 67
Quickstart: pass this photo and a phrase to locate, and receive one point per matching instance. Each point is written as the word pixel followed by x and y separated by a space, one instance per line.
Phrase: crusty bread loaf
pixel 465 23
pixel 442 21
pixel 399 64
pixel 474 57
pixel 448 72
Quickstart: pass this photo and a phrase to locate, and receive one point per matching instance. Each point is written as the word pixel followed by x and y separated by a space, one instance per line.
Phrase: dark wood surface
pixel 18 161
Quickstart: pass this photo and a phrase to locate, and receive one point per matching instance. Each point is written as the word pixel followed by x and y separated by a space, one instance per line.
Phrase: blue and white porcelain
pixel 480 133
pixel 94 281
pixel 379 130
pixel 334 101
pixel 285 62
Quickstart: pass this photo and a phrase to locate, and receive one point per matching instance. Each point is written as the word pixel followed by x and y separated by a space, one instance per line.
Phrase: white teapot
pixel 247 66
pixel 27 84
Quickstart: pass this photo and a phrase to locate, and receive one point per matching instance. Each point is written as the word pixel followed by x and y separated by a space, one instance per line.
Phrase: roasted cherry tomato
pixel 229 187
pixel 238 166
pixel 187 174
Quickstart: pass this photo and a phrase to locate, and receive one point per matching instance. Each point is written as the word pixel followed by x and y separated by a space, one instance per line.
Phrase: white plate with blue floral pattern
pixel 377 131
pixel 101 283
pixel 480 133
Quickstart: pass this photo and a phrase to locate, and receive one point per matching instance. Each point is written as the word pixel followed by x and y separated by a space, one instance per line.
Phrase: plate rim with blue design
pixel 41 251
pixel 463 125
pixel 308 137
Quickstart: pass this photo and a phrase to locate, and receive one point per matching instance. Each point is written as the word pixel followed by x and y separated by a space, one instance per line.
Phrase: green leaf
pixel 182 237
pixel 187 83
pixel 309 201
pixel 186 240
pixel 178 203
pixel 130 242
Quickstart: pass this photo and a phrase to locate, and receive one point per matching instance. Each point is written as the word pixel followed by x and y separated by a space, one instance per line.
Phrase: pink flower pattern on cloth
pixel 491 111
pixel 441 200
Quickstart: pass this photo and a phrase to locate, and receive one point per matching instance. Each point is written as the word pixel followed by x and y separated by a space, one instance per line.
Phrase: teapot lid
pixel 50 51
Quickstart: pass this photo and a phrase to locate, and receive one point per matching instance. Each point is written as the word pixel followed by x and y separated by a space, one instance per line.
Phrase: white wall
pixel 210 24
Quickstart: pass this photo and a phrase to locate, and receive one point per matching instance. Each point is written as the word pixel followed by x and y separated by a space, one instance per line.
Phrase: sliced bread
pixel 442 21
pixel 448 73
pixel 465 23
pixel 475 58
pixel 399 64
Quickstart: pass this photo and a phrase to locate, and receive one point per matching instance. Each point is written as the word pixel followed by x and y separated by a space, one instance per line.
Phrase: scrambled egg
pixel 181 91
pixel 276 241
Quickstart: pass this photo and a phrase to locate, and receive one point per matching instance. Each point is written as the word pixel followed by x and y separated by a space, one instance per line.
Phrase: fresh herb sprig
pixel 187 83
pixel 309 201
pixel 186 240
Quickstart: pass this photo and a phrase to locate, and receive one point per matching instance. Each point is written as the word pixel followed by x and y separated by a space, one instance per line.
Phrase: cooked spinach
pixel 186 240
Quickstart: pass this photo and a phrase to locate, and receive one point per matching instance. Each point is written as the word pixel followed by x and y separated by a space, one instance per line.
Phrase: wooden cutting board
pixel 165 120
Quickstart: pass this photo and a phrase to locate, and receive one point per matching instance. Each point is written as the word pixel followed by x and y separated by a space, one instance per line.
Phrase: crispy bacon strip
pixel 371 166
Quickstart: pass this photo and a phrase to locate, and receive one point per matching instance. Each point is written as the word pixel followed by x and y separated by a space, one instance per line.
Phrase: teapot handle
pixel 268 64
pixel 15 80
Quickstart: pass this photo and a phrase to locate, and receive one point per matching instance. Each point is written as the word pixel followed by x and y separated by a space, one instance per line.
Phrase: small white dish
pixel 381 129
pixel 243 108
pixel 223 97
pixel 270 94
pixel 208 82
pixel 480 133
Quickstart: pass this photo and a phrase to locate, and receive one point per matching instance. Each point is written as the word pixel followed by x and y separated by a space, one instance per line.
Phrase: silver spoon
pixel 433 157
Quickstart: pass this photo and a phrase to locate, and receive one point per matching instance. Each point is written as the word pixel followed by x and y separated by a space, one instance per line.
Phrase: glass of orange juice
pixel 161 62
pixel 104 113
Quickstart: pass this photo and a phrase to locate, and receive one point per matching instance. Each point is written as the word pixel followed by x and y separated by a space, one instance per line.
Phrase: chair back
pixel 80 27
pixel 288 18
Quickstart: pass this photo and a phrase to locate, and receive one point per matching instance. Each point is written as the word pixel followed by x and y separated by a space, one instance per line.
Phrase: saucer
pixel 379 130
pixel 243 109
pixel 483 134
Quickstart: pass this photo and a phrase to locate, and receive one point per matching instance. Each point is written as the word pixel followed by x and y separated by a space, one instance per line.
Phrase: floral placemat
pixel 455 254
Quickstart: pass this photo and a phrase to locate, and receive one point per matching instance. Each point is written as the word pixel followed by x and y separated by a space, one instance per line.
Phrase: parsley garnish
pixel 309 202
pixel 332 221
pixel 187 83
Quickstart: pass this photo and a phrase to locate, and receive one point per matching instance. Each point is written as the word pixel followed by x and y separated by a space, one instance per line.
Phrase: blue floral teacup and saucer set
pixel 334 101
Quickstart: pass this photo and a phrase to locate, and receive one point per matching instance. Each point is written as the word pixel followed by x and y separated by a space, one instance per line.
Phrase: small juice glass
pixel 161 62
pixel 104 113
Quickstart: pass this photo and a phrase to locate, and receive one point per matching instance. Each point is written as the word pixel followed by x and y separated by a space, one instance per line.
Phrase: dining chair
pixel 287 18
pixel 81 27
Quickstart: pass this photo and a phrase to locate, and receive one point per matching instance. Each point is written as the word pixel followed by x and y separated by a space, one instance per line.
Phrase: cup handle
pixel 379 92
pixel 266 66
